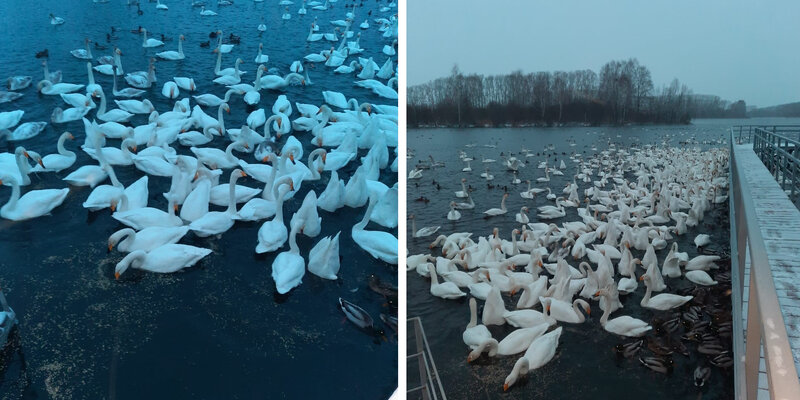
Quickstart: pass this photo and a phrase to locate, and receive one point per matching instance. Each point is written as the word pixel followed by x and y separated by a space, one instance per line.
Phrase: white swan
pixel 150 42
pixel 163 260
pixel 148 239
pixel 173 55
pixel 540 352
pixel 210 100
pixel 475 334
pixel 498 211
pixel 272 234
pixel 664 301
pixel 379 244
pixel 141 218
pixel 113 69
pixel 323 259
pixel 33 204
pixel 115 115
pixel 289 267
pixel 57 162
pixel 422 232
pixel 218 222
pixel 231 79
pixel 136 106
pixel 445 290
pixel 623 325
pixel 49 88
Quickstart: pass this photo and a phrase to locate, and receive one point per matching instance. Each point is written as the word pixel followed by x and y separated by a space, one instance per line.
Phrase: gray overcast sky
pixel 731 48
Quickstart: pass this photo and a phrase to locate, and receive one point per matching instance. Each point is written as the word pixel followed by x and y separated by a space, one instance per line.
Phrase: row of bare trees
pixel 621 92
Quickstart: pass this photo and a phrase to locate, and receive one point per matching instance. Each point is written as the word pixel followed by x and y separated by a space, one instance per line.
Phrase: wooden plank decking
pixel 779 221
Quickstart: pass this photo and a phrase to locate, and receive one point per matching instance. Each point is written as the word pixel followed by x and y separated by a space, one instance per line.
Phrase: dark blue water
pixel 584 365
pixel 218 330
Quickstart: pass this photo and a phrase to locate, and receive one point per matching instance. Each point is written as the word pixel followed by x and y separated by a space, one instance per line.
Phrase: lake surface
pixel 219 329
pixel 584 365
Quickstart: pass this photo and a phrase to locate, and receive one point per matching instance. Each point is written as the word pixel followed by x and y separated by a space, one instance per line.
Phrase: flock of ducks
pixel 630 208
pixel 194 150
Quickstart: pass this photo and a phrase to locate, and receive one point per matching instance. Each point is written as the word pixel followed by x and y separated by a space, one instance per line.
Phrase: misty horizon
pixel 736 50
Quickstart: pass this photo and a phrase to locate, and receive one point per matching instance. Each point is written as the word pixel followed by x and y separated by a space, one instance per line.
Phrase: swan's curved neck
pixel 473 314
pixel 607 311
pixel 102 109
pixel 91 73
pixel 368 213
pixel 12 202
pixel 236 68
pixel 232 192
pixel 293 240
pixel 281 194
pixel 61 149
pixel 434 278
pixel 503 204
pixel 24 167
pixel 258 75
pixel 219 60
pixel 647 294
pixel 228 95
pixel 229 151
pixel 127 233
pixel 221 120
pixel 312 165
pixel 267 135
pixel 180 47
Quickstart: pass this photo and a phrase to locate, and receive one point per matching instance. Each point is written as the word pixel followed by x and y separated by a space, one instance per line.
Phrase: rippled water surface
pixel 584 365
pixel 218 330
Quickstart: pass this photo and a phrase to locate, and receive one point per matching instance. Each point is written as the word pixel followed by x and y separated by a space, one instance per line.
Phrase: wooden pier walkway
pixel 779 223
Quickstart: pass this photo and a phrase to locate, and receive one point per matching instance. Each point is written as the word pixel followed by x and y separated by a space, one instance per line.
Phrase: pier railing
pixel 777 147
pixel 765 322
pixel 430 386
pixel 744 133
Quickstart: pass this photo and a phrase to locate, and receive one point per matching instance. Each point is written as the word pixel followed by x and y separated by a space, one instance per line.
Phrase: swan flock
pixel 608 241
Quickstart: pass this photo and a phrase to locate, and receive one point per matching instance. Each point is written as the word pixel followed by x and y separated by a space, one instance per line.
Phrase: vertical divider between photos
pixel 402 199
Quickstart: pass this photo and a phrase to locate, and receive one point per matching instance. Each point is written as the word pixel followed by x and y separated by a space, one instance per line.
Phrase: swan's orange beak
pixel 196 175
pixel 113 208
pixel 70 137
pixel 172 92
pixel 175 206
pixel 589 311
pixel 291 157
pixel 469 358
pixel 319 142
pixel 265 159
pixel 244 173
pixel 246 146
pixel 116 275
pixel 324 157
pixel 135 149
pixel 513 291
pixel 279 123
pixel 1 181
pixel 505 387
pixel 40 162
pixel 641 278
pixel 291 186
pixel 26 154
pixel 110 247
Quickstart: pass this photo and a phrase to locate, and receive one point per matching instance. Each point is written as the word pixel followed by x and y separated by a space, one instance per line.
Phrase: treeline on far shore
pixel 622 92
